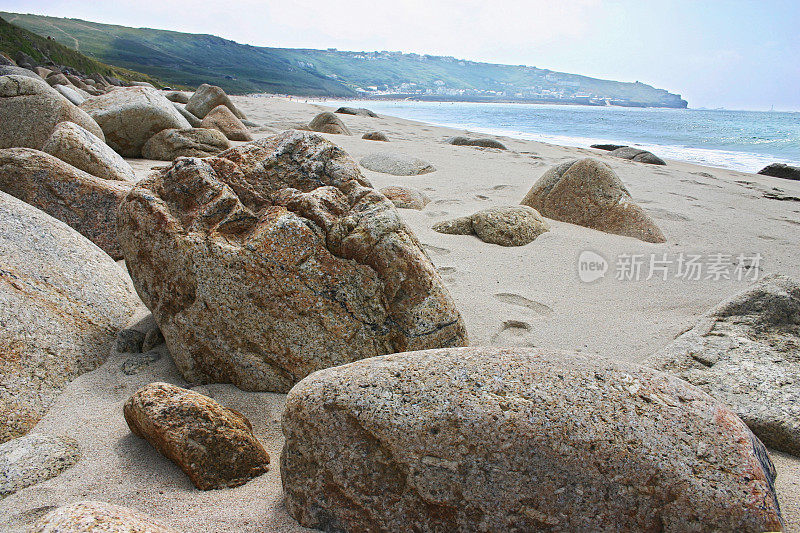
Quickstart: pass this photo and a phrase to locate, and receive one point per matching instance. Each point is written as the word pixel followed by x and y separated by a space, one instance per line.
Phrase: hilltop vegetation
pixel 191 59
pixel 14 39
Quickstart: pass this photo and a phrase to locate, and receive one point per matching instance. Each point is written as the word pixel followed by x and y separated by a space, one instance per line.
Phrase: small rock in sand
pixel 328 123
pixel 360 111
pixel 746 353
pixel 98 517
pixel 85 202
pixel 206 98
pixel 483 142
pixel 223 119
pixel 607 147
pixel 80 148
pixel 396 164
pixel 213 445
pixel 168 145
pixel 375 136
pixel 490 439
pixel 34 458
pixel 781 170
pixel 515 225
pixel 406 197
pixel 588 193
pixel 638 155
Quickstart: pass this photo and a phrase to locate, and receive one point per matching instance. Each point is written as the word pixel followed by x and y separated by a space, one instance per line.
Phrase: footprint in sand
pixel 663 214
pixel 516 299
pixel 436 214
pixel 449 201
pixel 513 333
pixel 481 197
pixel 500 187
pixel 448 274
pixel 435 249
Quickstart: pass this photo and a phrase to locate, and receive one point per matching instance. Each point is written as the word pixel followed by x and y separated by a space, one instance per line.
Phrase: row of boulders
pixel 482 142
pixel 781 170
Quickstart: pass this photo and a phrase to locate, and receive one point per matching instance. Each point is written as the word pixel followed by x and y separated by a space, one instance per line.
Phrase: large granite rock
pixel 781 170
pixel 30 110
pixel 588 193
pixel 328 123
pixel 82 149
pixel 85 202
pixel 213 445
pixel 638 155
pixel 34 458
pixel 98 517
pixel 130 116
pixel 206 98
pixel 396 164
pixel 406 197
pixel 62 300
pixel 746 353
pixel 482 142
pixel 359 111
pixel 515 225
pixel 275 259
pixel 191 119
pixel 490 439
pixel 223 119
pixel 168 145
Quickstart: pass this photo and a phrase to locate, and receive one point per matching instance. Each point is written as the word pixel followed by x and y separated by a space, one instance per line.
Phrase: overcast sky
pixel 733 54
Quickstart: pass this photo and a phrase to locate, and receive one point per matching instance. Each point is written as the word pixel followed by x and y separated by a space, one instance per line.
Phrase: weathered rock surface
pixel 222 119
pixel 375 136
pixel 515 225
pixel 360 111
pixel 30 110
pixel 746 353
pixel 57 78
pixel 131 115
pixel 70 94
pixel 781 170
pixel 168 145
pixel 213 445
pixel 328 123
pixel 191 119
pixel 406 197
pixel 490 439
pixel 31 459
pixel 177 96
pixel 98 517
pixel 607 147
pixel 588 193
pixel 206 98
pixel 483 142
pixel 396 164
pixel 82 149
pixel 85 202
pixel 13 70
pixel 62 300
pixel 275 259
pixel 638 155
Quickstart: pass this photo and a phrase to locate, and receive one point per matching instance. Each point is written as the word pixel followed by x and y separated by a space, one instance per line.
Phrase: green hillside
pixel 14 39
pixel 191 59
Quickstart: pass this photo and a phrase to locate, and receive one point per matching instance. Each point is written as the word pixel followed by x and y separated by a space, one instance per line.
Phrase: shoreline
pixel 718 158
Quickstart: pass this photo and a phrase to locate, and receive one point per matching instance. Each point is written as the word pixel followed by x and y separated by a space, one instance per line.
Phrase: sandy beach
pixel 530 295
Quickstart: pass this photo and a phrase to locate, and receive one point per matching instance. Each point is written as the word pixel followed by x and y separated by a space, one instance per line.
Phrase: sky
pixel 732 53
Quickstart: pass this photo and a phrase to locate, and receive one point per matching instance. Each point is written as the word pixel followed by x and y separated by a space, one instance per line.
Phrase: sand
pixel 526 296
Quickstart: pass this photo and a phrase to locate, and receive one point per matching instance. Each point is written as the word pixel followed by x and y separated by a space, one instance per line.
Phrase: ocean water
pixel 739 140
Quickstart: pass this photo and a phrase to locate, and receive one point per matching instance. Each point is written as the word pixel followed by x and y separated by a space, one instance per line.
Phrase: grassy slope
pixel 14 39
pixel 191 59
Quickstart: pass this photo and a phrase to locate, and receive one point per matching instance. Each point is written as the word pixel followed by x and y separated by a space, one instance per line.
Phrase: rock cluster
pixel 638 155
pixel 746 353
pixel 588 193
pixel 213 445
pixel 275 259
pixel 485 439
pixel 515 225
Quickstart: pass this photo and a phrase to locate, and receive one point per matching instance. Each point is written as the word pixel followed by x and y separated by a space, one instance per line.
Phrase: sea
pixel 739 140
